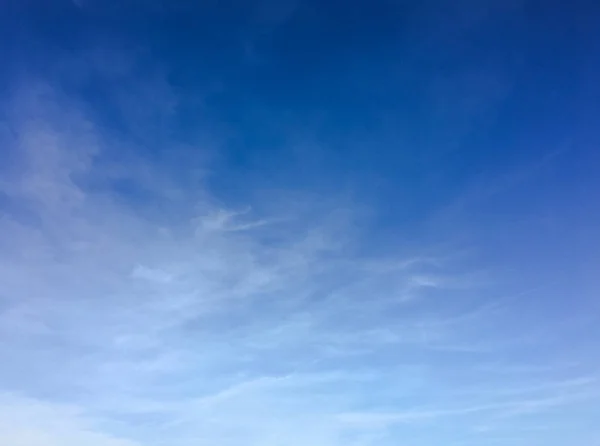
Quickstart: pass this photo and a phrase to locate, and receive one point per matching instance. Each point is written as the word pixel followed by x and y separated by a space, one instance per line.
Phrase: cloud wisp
pixel 203 323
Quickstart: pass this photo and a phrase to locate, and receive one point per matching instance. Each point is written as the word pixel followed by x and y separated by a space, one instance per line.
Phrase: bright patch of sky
pixel 299 223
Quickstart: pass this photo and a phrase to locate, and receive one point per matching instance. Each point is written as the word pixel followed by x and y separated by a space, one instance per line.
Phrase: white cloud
pixel 207 325
pixel 151 274
pixel 29 422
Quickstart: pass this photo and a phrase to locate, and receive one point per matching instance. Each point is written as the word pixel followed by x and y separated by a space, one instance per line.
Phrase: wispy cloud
pixel 115 312
pixel 204 323
pixel 29 422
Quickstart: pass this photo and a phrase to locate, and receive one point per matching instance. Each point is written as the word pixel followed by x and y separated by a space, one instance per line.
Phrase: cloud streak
pixel 207 324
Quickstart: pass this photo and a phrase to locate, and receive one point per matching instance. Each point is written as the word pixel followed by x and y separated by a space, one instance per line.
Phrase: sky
pixel 299 223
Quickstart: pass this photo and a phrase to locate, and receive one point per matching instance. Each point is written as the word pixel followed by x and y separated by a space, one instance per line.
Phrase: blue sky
pixel 299 223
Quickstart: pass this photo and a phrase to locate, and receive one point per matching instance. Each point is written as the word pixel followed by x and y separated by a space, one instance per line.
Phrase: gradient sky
pixel 299 223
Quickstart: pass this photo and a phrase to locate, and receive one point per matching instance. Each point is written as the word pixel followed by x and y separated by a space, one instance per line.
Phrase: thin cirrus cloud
pixel 121 330
pixel 164 315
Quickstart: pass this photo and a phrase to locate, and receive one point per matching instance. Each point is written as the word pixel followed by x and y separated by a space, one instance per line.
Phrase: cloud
pixel 157 313
pixel 153 275
pixel 29 422
pixel 497 409
pixel 131 315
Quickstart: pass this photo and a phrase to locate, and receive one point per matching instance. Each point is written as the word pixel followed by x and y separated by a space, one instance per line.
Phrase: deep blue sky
pixel 409 99
pixel 317 222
